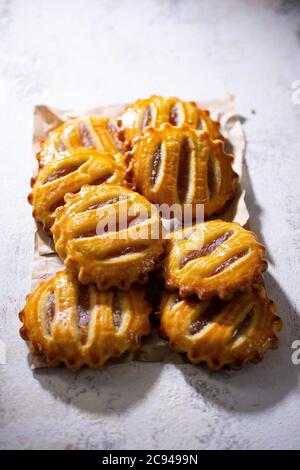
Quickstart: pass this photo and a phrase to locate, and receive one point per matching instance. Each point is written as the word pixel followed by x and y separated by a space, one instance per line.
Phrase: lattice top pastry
pixel 182 165
pixel 87 131
pixel 108 235
pixel 67 173
pixel 78 325
pixel 213 258
pixel 156 110
pixel 221 332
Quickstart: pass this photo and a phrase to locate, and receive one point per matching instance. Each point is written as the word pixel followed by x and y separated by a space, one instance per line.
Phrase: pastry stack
pixel 99 192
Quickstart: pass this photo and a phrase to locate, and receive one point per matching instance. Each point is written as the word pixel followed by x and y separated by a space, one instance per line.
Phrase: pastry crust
pixel 67 173
pixel 76 325
pixel 156 110
pixel 213 258
pixel 86 131
pixel 184 166
pixel 221 333
pixel 109 235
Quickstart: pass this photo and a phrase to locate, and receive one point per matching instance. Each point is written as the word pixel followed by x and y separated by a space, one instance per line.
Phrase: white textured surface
pixel 82 53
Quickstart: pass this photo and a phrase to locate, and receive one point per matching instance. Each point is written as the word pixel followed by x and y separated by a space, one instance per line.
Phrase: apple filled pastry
pixel 75 324
pixel 221 332
pixel 99 191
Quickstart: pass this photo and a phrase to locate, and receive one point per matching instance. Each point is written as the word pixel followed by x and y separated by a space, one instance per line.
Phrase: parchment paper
pixel 46 263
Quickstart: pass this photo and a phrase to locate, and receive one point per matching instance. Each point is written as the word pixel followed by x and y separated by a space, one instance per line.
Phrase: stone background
pixel 83 53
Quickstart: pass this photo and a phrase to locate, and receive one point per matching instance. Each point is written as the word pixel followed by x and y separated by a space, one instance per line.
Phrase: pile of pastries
pixel 212 304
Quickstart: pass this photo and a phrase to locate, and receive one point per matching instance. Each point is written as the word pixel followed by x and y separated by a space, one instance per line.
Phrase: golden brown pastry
pixel 184 166
pixel 87 131
pixel 109 235
pixel 221 332
pixel 156 110
pixel 67 173
pixel 213 258
pixel 78 325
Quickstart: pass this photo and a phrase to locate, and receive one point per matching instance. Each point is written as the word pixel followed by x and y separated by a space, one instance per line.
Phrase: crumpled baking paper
pixel 46 263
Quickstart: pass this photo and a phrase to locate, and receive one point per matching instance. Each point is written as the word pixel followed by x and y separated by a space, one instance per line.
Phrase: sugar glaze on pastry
pixel 67 173
pixel 213 258
pixel 114 255
pixel 86 131
pixel 180 165
pixel 157 110
pixel 221 332
pixel 78 325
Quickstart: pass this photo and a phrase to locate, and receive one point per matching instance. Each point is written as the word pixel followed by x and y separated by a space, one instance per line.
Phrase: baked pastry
pixel 86 131
pixel 109 235
pixel 182 165
pixel 221 332
pixel 78 325
pixel 156 110
pixel 67 173
pixel 213 258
